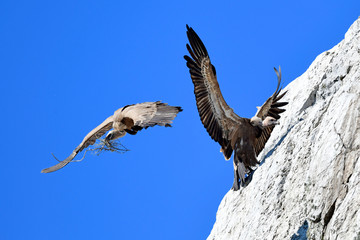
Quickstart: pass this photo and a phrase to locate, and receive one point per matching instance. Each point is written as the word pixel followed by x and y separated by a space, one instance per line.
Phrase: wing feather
pixel 270 108
pixel 89 139
pixel 149 114
pixel 261 141
pixel 272 105
pixel 217 117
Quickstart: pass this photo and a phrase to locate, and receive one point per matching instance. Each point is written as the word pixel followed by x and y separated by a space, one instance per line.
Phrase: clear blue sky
pixel 67 65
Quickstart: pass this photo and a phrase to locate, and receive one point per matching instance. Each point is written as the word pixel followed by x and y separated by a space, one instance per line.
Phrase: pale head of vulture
pixel 267 122
pixel 270 121
pixel 113 135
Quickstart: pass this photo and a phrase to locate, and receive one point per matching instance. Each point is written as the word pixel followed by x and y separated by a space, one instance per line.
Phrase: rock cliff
pixel 308 186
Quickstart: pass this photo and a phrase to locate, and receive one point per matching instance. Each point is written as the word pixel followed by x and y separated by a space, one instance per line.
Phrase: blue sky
pixel 67 65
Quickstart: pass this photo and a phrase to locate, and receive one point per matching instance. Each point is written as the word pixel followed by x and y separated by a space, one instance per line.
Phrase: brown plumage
pixel 245 137
pixel 129 119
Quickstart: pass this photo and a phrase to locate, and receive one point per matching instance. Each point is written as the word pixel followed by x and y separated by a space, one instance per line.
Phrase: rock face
pixel 309 184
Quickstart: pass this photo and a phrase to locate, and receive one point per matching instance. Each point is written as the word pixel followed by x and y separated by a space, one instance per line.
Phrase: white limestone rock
pixel 309 184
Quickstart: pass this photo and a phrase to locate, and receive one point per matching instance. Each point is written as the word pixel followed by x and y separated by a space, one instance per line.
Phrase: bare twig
pixel 112 146
pixel 81 158
pixel 102 145
pixel 72 160
pixel 55 157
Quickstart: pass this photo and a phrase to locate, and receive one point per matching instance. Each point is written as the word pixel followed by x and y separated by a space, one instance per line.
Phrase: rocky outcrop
pixel 308 186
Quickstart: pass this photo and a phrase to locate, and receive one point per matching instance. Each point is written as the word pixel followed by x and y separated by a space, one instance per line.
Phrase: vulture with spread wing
pixel 129 119
pixel 243 136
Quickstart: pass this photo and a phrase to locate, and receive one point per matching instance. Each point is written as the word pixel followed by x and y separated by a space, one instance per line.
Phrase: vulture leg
pixel 236 185
pixel 248 178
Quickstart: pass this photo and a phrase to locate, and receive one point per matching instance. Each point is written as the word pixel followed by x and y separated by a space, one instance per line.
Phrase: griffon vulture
pixel 243 136
pixel 129 119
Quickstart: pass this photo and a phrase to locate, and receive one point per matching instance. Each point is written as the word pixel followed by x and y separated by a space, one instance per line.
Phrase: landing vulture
pixel 129 119
pixel 243 136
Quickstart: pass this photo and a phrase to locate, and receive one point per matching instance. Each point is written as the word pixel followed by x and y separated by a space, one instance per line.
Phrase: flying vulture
pixel 243 136
pixel 129 119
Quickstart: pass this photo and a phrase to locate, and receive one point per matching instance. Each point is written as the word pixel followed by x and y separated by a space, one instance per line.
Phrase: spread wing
pixel 270 108
pixel 217 117
pixel 147 114
pixel 89 139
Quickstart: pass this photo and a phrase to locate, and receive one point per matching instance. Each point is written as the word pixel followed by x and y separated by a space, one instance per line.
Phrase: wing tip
pixel 186 57
pixel 196 43
pixel 278 74
pixel 46 170
pixel 277 70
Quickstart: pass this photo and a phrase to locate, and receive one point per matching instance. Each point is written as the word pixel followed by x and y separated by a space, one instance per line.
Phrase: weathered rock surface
pixel 309 184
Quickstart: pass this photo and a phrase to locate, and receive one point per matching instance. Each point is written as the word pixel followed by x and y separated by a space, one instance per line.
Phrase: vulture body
pixel 129 119
pixel 243 136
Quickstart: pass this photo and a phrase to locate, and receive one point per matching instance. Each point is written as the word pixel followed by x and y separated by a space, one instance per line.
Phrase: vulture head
pixel 270 121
